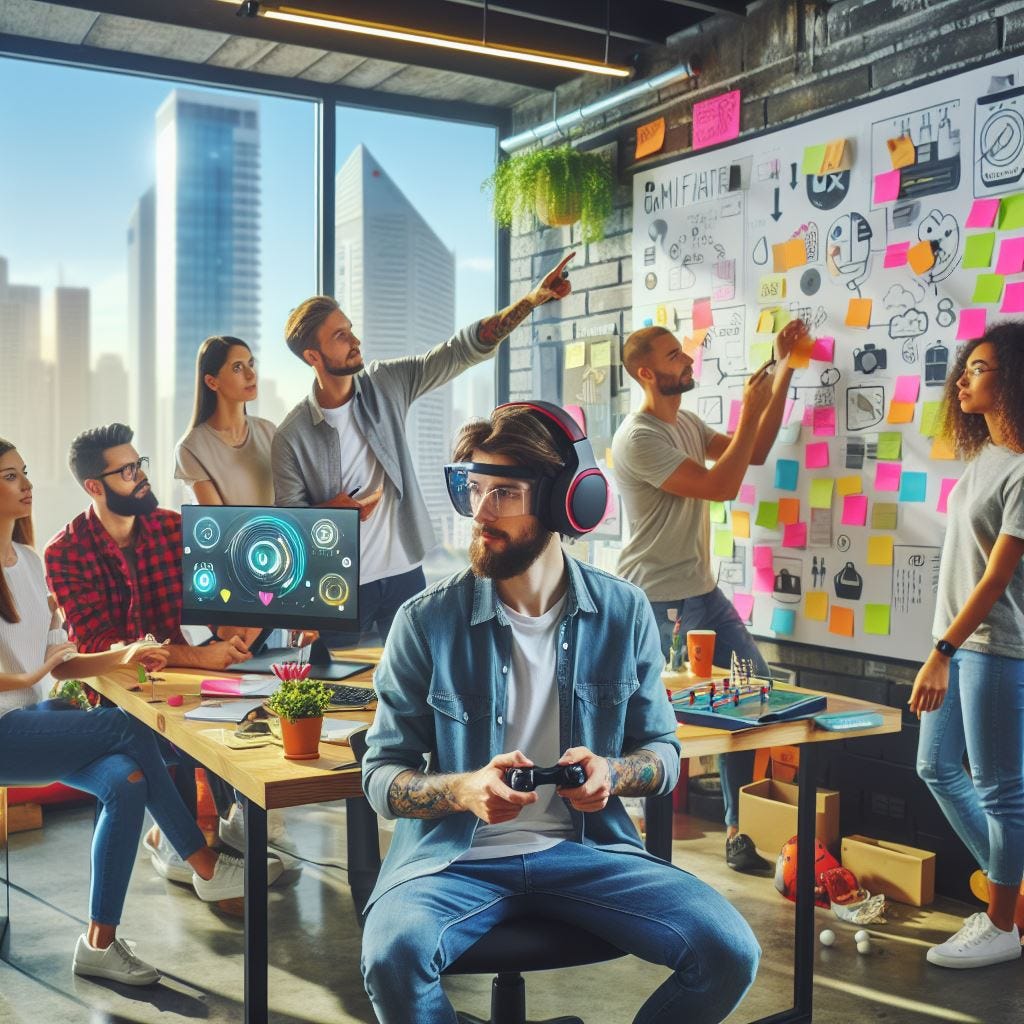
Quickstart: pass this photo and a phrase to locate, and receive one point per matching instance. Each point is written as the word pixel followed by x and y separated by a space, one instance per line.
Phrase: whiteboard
pixel 859 572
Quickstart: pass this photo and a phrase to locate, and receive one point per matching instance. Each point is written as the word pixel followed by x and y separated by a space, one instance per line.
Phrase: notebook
pixel 339 731
pixel 223 710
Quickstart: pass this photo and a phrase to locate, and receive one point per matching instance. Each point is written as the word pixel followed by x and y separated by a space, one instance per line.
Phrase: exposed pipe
pixel 561 125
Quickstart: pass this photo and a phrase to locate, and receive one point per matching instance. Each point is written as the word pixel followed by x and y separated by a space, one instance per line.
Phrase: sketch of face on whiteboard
pixel 848 249
pixel 943 231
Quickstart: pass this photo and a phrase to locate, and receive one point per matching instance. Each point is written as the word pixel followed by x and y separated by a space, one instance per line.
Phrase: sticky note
pixel 783 620
pixel 890 444
pixel 1011 256
pixel 814 157
pixel 788 411
pixel 900 412
pixel 887 476
pixel 887 187
pixel 759 353
pixel 836 157
pixel 789 510
pixel 702 315
pixel 600 353
pixel 764 580
pixel 1013 298
pixel 988 288
pixel 771 288
pixel 907 388
pixel 902 152
pixel 971 325
pixel 746 495
pixel 744 605
pixel 849 485
pixel 823 349
pixel 921 257
pixel 896 255
pixel 787 471
pixel 825 420
pixel 716 120
pixel 946 485
pixel 816 455
pixel 735 408
pixel 930 413
pixel 575 354
pixel 880 549
pixel 795 253
pixel 781 318
pixel 768 515
pixel 876 619
pixel 723 542
pixel 855 510
pixel 978 250
pixel 766 322
pixel 983 213
pixel 717 512
pixel 1011 212
pixel 650 138
pixel 821 493
pixel 762 556
pixel 840 621
pixel 858 313
pixel 942 449
pixel 800 356
pixel 740 524
pixel 884 515
pixel 816 605
pixel 913 487
pixel 795 535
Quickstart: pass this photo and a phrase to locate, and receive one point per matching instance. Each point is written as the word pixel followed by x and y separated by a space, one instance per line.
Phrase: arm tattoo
pixel 638 774
pixel 498 327
pixel 418 795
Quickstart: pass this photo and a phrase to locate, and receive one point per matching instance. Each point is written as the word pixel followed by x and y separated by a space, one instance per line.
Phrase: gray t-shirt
pixel 986 501
pixel 241 475
pixel 668 554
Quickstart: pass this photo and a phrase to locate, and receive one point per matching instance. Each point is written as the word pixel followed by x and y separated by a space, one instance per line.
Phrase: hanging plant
pixel 561 185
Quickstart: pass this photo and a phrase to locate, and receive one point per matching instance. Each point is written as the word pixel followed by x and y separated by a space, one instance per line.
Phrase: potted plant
pixel 561 185
pixel 73 691
pixel 300 704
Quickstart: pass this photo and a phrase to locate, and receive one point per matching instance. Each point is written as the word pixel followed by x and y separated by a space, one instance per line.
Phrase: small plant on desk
pixel 300 704
pixel 73 691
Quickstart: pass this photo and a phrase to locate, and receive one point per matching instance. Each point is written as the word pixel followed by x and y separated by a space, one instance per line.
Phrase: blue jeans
pixel 645 907
pixel 983 713
pixel 379 602
pixel 97 751
pixel 714 611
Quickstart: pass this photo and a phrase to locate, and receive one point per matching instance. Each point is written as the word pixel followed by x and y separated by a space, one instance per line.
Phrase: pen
pixel 354 492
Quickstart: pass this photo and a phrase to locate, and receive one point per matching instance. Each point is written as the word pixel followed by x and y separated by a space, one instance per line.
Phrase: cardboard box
pixel 768 815
pixel 904 873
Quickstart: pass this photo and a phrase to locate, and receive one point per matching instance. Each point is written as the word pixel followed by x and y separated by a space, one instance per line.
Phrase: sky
pixel 77 151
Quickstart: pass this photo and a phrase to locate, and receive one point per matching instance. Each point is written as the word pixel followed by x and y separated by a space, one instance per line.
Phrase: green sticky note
pixel 140 674
pixel 718 511
pixel 978 250
pixel 876 619
pixel 883 515
pixel 988 288
pixel 759 352
pixel 723 543
pixel 768 514
pixel 930 414
pixel 1011 212
pixel 821 492
pixel 890 444
pixel 782 318
pixel 814 157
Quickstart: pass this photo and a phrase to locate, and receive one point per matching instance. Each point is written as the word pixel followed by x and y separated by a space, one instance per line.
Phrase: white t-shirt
pixel 381 551
pixel 23 644
pixel 531 725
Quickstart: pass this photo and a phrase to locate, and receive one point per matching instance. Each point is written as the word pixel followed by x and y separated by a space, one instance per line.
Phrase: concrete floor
pixel 314 955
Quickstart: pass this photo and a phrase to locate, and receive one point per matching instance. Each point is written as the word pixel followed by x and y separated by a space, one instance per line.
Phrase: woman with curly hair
pixel 969 694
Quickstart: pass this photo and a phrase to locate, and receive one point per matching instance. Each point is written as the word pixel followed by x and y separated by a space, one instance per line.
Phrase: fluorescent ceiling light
pixel 283 12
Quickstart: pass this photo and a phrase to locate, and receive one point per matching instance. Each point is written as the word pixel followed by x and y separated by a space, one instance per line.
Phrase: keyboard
pixel 848 721
pixel 344 695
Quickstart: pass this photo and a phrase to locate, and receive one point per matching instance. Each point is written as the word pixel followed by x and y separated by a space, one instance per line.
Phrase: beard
pixel 131 504
pixel 343 369
pixel 671 385
pixel 513 560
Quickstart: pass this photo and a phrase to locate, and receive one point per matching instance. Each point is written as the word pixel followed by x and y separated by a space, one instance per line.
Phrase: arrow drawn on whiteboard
pixel 776 213
pixel 792 180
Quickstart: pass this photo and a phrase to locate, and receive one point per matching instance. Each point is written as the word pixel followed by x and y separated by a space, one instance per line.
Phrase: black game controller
pixel 526 780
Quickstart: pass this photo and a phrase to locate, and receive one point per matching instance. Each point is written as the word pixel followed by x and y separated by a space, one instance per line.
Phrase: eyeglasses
pixel 469 491
pixel 976 371
pixel 129 472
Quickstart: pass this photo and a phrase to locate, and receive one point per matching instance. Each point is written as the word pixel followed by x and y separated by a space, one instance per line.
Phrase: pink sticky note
pixel 887 186
pixel 816 455
pixel 734 415
pixel 887 476
pixel 896 255
pixel 716 120
pixel 747 494
pixel 795 535
pixel 788 411
pixel 808 418
pixel 221 688
pixel 762 556
pixel 698 362
pixel 702 316
pixel 971 325
pixel 855 510
pixel 1011 256
pixel 948 482
pixel 824 349
pixel 983 213
pixel 1013 298
pixel 825 421
pixel 764 580
pixel 907 389
pixel 744 605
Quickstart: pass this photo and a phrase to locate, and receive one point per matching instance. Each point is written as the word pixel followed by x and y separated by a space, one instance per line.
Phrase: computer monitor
pixel 276 568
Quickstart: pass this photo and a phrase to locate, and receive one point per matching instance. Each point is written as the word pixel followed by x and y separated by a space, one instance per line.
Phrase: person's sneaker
pixel 231 829
pixel 166 861
pixel 228 879
pixel 740 854
pixel 115 963
pixel 978 944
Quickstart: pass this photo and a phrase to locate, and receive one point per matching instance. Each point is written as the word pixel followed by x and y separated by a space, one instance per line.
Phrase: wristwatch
pixel 945 648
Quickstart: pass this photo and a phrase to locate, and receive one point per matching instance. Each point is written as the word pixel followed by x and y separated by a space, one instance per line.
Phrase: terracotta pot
pixel 301 738
pixel 558 211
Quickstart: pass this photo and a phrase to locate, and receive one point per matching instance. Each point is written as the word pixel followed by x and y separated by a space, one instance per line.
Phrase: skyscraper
pixel 71 352
pixel 396 283
pixel 110 398
pixel 20 355
pixel 207 243
pixel 142 320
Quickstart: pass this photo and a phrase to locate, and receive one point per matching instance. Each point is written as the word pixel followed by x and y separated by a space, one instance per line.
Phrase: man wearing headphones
pixel 531 660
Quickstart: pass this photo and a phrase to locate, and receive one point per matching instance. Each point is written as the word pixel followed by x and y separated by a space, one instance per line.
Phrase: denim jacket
pixel 442 694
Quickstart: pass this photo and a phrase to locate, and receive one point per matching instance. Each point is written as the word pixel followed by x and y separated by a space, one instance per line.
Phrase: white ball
pixel 827 937
pixel 862 936
pixel 864 947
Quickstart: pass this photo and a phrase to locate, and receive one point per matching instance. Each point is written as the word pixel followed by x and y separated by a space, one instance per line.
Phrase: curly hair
pixel 967 432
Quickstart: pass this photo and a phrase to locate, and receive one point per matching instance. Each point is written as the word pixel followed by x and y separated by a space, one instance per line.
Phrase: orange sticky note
pixel 858 313
pixel 836 157
pixel 942 449
pixel 740 524
pixel 650 137
pixel 789 510
pixel 900 412
pixel 921 257
pixel 796 253
pixel 840 621
pixel 901 151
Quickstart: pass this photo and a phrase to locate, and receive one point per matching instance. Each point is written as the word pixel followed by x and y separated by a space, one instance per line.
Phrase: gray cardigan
pixel 306 453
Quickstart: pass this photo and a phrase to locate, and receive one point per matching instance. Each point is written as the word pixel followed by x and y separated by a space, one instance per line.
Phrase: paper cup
pixel 700 647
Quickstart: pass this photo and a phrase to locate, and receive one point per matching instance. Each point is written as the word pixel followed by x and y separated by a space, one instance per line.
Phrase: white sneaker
pixel 166 861
pixel 228 879
pixel 978 944
pixel 116 963
pixel 231 829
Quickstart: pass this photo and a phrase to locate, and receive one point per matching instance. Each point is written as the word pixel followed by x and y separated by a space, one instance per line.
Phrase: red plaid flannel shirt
pixel 89 577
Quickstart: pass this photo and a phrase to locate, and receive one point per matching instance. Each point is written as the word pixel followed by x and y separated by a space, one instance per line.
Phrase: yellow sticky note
pixel 816 605
pixel 771 288
pixel 575 354
pixel 741 524
pixel 782 317
pixel 600 353
pixel 849 485
pixel 930 413
pixel 766 322
pixel 837 157
pixel 821 492
pixel 858 313
pixel 942 449
pixel 759 352
pixel 717 512
pixel 608 460
pixel 814 157
pixel 723 542
pixel 840 621
pixel 900 412
pixel 901 151
pixel 921 257
pixel 880 549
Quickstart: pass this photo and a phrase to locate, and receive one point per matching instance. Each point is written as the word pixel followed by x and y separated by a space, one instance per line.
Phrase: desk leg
pixel 803 952
pixel 255 912
pixel 363 850
pixel 658 820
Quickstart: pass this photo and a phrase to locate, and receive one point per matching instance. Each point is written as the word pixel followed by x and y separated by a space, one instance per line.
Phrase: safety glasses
pixel 499 491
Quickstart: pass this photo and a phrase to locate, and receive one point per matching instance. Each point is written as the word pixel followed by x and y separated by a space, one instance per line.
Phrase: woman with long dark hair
pixel 969 693
pixel 103 752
